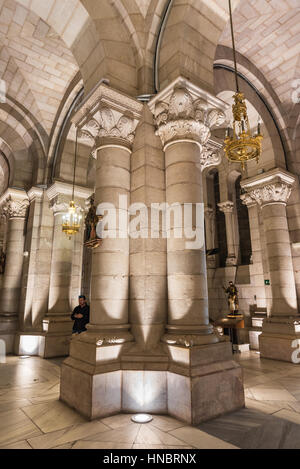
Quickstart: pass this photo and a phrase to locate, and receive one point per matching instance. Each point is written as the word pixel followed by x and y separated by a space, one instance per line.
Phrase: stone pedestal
pixel 14 206
pixel 203 382
pixel 271 192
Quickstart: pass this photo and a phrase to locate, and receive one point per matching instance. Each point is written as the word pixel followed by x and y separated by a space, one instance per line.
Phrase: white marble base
pixel 254 339
pixel 27 344
pixel 241 347
pixel 280 339
pixel 200 383
pixel 9 340
pixel 8 328
pixel 57 336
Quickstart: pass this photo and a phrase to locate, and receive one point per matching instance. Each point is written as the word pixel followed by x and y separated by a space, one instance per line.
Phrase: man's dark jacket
pixel 79 324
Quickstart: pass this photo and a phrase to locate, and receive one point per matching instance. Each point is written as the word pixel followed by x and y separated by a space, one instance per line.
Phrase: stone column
pixel 271 192
pixel 227 209
pixel 256 268
pixel 94 367
pixel 14 205
pixel 210 227
pixel 3 231
pixel 57 324
pixel 184 115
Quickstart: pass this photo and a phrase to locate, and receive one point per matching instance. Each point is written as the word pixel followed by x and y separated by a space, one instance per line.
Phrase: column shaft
pixel 280 260
pixel 110 263
pixel 187 277
pixel 14 264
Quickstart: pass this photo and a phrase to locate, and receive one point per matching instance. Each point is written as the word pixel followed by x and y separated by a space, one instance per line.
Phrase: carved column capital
pixel 108 117
pixel 273 187
pixel 209 213
pixel 226 207
pixel 248 200
pixel 14 204
pixel 60 194
pixel 35 193
pixel 59 204
pixel 185 112
pixel 211 154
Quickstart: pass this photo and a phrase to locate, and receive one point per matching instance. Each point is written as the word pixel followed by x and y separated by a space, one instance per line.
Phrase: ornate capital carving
pixel 14 204
pixel 60 194
pixel 15 208
pixel 59 204
pixel 273 187
pixel 278 192
pixel 209 213
pixel 226 207
pixel 210 154
pixel 35 193
pixel 183 111
pixel 248 200
pixel 108 117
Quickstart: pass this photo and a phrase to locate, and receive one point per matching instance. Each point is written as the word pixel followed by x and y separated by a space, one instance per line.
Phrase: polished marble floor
pixel 31 415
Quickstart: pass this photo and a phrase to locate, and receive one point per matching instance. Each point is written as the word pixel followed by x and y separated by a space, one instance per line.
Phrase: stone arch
pixel 4 172
pixel 19 153
pixel 20 136
pixel 85 29
pixel 190 40
pixel 62 124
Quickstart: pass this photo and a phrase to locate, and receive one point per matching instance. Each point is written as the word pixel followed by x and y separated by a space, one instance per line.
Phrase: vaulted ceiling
pixel 46 44
pixel 268 34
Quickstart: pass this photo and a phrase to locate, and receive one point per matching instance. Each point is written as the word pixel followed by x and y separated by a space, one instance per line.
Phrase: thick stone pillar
pixel 227 209
pixel 14 205
pixel 184 115
pixel 271 192
pixel 91 378
pixel 57 324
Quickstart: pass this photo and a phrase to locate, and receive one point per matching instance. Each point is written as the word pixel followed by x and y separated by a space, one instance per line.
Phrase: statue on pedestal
pixel 91 221
pixel 232 295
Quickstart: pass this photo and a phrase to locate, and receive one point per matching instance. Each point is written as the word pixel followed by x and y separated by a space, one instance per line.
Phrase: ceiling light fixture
pixel 242 146
pixel 71 220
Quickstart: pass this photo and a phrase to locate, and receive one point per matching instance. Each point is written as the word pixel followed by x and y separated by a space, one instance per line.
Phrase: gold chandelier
pixel 71 220
pixel 242 146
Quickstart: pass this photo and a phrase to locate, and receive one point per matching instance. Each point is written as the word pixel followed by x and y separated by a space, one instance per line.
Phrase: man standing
pixel 80 316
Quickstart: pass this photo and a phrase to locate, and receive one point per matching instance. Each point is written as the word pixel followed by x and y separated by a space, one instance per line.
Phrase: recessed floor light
pixel 142 418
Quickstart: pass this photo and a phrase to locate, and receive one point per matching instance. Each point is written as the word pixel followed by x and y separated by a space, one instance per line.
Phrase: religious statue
pixel 232 295
pixel 2 262
pixel 91 220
